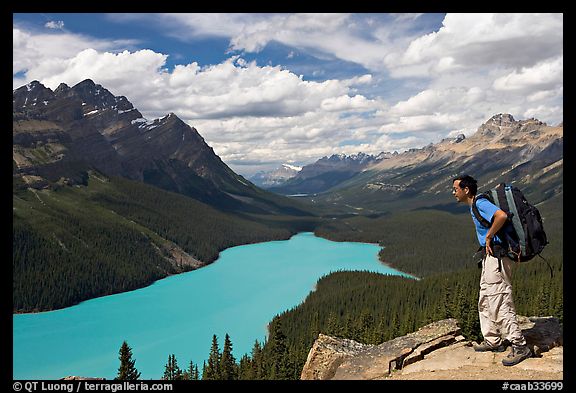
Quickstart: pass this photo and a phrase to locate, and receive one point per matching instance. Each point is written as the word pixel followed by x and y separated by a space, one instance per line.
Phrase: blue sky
pixel 267 89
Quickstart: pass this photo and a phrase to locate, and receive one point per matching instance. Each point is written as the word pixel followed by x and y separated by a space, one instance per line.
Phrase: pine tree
pixel 212 369
pixel 245 370
pixel 171 371
pixel 127 371
pixel 192 372
pixel 258 369
pixel 278 353
pixel 365 327
pixel 204 369
pixel 333 327
pixel 228 367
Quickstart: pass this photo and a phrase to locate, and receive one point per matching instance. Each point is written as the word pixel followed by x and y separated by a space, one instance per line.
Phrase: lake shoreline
pixel 238 296
pixel 387 264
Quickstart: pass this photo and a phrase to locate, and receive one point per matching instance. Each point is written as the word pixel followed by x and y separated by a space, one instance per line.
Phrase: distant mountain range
pixel 58 135
pixel 527 152
pixel 316 177
pixel 275 177
pixel 326 173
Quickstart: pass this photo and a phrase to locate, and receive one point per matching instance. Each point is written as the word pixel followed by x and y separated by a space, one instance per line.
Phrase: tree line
pixel 75 243
pixel 372 308
pixel 71 244
pixel 266 362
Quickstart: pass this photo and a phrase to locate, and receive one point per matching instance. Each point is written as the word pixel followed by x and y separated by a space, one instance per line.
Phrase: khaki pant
pixel 495 305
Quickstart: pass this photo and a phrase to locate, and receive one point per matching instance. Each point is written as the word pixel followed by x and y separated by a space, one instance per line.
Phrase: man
pixel 495 305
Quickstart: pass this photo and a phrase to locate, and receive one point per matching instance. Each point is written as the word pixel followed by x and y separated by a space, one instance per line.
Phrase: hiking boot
pixel 516 355
pixel 485 347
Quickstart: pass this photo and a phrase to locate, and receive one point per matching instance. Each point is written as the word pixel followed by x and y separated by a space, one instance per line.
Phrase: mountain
pixel 275 177
pixel 327 172
pixel 105 201
pixel 59 135
pixel 528 153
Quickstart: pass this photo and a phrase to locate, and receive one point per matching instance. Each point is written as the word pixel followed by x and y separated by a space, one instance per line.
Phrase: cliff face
pixel 436 351
pixel 59 136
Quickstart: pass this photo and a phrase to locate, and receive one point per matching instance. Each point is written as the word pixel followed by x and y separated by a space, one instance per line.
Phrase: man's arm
pixel 500 218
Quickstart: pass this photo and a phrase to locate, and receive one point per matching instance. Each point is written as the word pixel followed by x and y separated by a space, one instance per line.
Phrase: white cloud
pixel 476 40
pixel 124 71
pixel 541 111
pixel 547 74
pixel 450 80
pixel 32 49
pixel 543 95
pixel 347 103
pixel 55 24
pixel 430 122
pixel 292 29
pixel 435 101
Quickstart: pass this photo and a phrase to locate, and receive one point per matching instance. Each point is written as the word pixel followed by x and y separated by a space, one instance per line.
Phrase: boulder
pixel 438 346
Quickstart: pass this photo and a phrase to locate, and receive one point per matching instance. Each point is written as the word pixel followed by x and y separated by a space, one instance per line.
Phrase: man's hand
pixel 499 220
pixel 488 245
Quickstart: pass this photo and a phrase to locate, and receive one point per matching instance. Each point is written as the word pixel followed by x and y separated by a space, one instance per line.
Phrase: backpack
pixel 523 233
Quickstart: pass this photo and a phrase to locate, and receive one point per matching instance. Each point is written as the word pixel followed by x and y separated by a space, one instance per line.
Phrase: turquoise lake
pixel 238 294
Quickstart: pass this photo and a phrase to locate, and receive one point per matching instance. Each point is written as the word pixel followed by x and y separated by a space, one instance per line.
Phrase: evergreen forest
pixel 372 308
pixel 114 235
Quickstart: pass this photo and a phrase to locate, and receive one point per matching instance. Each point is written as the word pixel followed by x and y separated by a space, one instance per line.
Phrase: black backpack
pixel 523 233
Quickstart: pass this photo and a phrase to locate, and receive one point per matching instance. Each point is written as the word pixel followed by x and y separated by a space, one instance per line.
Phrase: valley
pixel 106 201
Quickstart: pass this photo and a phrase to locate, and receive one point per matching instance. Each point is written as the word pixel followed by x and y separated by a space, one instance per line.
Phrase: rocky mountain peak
pixel 503 128
pixel 276 176
pixel 502 119
pixel 31 95
pixel 496 125
pixel 526 151
pixel 93 94
pixel 341 158
pixel 62 134
pixel 61 89
pixel 34 85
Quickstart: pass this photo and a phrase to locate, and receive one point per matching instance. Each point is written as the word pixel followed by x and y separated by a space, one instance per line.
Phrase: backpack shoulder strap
pixel 484 222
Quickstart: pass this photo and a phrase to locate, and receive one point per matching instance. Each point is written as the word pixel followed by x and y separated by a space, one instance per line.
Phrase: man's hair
pixel 468 181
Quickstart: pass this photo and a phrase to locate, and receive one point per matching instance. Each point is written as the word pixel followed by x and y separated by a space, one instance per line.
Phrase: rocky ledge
pixel 436 351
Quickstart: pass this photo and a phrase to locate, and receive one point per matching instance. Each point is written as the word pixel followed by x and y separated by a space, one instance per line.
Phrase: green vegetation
pixel 127 370
pixel 436 246
pixel 75 243
pixel 419 242
pixel 372 308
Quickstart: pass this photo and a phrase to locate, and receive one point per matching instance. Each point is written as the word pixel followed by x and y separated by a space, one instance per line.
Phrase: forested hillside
pixel 436 246
pixel 75 243
pixel 372 308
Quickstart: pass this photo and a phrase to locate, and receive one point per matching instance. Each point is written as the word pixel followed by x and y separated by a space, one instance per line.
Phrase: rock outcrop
pixel 436 351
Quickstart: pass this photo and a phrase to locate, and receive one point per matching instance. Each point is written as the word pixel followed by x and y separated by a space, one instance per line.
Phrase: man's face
pixel 459 193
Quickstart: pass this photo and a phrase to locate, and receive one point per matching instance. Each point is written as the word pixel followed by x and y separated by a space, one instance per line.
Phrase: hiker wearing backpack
pixel 495 304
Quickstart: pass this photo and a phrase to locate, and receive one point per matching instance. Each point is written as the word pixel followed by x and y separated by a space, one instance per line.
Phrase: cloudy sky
pixel 266 89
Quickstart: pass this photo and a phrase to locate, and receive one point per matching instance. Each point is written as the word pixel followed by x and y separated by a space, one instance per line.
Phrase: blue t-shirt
pixel 487 210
